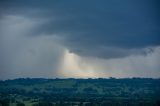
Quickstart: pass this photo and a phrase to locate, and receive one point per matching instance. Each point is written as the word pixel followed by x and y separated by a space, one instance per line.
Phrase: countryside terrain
pixel 80 92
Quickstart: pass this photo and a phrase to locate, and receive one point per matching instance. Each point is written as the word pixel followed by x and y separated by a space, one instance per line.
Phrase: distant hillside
pixel 81 92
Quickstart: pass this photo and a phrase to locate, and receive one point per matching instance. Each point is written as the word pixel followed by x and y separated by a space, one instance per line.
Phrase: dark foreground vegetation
pixel 80 92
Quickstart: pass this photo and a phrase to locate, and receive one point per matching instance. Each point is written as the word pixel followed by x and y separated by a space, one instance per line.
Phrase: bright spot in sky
pixel 74 66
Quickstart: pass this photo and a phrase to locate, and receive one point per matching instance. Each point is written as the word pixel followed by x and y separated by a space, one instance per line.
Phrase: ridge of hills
pixel 80 92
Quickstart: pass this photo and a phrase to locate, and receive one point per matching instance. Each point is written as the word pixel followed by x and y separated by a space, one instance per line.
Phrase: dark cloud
pixel 107 29
pixel 86 25
pixel 92 25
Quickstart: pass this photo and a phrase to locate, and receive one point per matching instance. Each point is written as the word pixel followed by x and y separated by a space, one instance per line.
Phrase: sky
pixel 79 38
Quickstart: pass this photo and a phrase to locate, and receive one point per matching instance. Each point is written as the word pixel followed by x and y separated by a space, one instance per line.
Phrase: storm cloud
pixel 35 35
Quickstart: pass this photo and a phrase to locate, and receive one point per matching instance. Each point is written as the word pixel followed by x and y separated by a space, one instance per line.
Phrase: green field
pixel 80 92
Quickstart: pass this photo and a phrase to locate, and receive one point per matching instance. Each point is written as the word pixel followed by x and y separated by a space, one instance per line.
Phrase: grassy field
pixel 80 92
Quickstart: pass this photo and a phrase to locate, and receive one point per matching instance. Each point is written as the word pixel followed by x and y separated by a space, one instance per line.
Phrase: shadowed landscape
pixel 80 92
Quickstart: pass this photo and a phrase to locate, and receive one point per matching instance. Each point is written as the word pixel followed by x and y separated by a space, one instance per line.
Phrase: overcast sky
pixel 79 38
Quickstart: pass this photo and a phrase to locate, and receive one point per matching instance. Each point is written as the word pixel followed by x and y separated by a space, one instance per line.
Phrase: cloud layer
pixel 88 39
